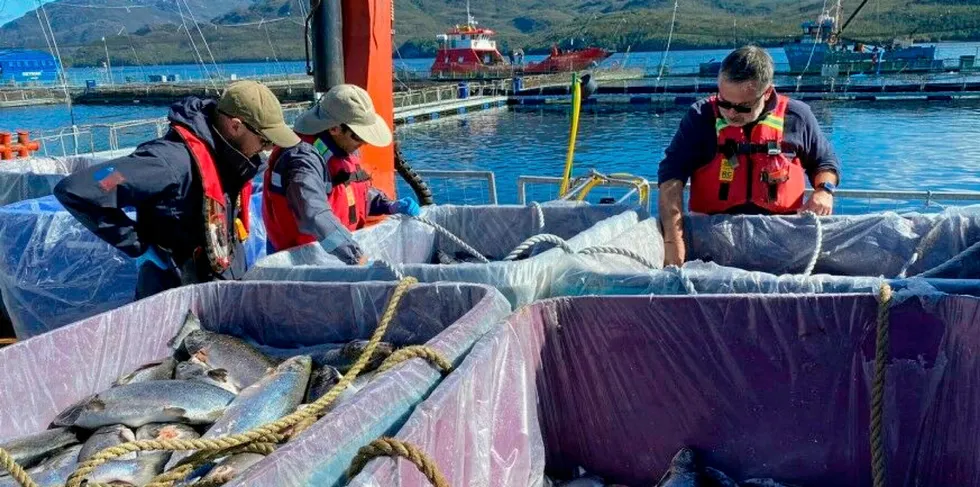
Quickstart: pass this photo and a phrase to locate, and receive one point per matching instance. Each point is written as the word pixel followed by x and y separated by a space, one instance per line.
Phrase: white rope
pixel 200 60
pixel 458 241
pixel 61 65
pixel 539 238
pixel 670 37
pixel 818 246
pixel 924 244
pixel 257 22
pixel 126 7
pixel 203 39
pixel 600 249
pixel 799 78
pixel 274 55
pixel 540 213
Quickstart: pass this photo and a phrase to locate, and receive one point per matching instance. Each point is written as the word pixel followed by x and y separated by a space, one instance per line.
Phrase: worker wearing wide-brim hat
pixel 190 189
pixel 317 191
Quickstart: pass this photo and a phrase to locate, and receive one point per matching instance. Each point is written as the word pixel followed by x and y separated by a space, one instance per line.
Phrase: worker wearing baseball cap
pixel 190 189
pixel 317 191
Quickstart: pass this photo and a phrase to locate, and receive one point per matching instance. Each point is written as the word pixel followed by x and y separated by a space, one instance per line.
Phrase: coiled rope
pixel 390 447
pixel 261 434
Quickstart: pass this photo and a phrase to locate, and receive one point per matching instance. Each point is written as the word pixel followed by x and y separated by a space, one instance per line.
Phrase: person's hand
pixel 152 256
pixel 674 253
pixel 821 202
pixel 407 206
pixel 363 260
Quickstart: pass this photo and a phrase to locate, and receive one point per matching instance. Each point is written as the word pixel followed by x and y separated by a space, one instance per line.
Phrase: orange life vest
pixel 753 171
pixel 347 199
pixel 217 235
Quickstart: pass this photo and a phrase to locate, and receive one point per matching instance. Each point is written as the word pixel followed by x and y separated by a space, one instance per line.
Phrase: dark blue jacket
pixel 696 141
pixel 158 181
pixel 301 175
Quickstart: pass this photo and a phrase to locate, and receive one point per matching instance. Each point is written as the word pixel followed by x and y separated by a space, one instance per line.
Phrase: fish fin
pixel 69 415
pixel 95 405
pixel 191 323
pixel 179 414
pixel 220 375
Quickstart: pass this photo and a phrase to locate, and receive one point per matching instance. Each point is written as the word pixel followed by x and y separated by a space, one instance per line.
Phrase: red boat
pixel 468 51
pixel 573 60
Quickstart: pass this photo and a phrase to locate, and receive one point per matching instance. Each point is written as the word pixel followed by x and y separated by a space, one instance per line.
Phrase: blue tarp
pixel 53 271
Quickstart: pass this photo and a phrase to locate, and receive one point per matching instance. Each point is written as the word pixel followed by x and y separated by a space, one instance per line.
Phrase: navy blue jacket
pixel 696 141
pixel 158 181
pixel 301 175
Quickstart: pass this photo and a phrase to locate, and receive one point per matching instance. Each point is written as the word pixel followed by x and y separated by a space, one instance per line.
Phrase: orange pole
pixel 367 63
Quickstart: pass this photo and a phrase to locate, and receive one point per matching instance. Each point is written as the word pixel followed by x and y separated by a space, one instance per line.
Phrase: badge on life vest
pixel 727 172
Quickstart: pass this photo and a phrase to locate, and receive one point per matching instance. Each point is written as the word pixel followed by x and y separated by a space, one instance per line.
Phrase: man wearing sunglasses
pixel 317 191
pixel 190 189
pixel 746 150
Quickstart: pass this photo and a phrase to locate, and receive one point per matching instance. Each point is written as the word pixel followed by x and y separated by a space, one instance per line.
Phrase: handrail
pixel 523 181
pixel 487 175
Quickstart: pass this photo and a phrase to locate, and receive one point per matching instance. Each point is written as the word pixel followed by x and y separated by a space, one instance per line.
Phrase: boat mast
pixel 835 32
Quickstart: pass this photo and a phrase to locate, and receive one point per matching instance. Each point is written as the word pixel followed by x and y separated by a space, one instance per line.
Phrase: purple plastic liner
pixel 761 386
pixel 45 374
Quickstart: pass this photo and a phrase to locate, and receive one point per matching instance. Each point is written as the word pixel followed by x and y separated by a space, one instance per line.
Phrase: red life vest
pixel 750 171
pixel 217 235
pixel 347 198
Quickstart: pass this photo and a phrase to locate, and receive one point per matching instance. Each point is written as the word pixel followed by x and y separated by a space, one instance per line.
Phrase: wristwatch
pixel 828 187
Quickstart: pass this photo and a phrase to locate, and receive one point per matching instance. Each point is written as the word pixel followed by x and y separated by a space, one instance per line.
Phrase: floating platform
pixel 434 110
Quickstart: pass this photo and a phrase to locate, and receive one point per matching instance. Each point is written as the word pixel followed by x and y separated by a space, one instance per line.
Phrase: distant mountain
pixel 78 22
pixel 153 31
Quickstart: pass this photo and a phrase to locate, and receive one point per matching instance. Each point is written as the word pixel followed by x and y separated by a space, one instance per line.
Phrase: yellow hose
pixel 569 157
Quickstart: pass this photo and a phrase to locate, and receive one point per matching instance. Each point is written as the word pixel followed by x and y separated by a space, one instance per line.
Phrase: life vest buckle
pixel 773 148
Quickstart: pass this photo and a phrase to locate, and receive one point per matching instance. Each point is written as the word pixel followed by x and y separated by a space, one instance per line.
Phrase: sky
pixel 14 9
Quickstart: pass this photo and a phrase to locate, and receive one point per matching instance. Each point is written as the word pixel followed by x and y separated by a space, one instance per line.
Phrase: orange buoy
pixel 23 147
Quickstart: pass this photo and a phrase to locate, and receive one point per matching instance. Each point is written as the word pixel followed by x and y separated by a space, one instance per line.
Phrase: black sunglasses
pixel 727 105
pixel 265 141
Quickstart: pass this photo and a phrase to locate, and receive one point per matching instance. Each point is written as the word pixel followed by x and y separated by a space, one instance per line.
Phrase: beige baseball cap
pixel 256 105
pixel 348 105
